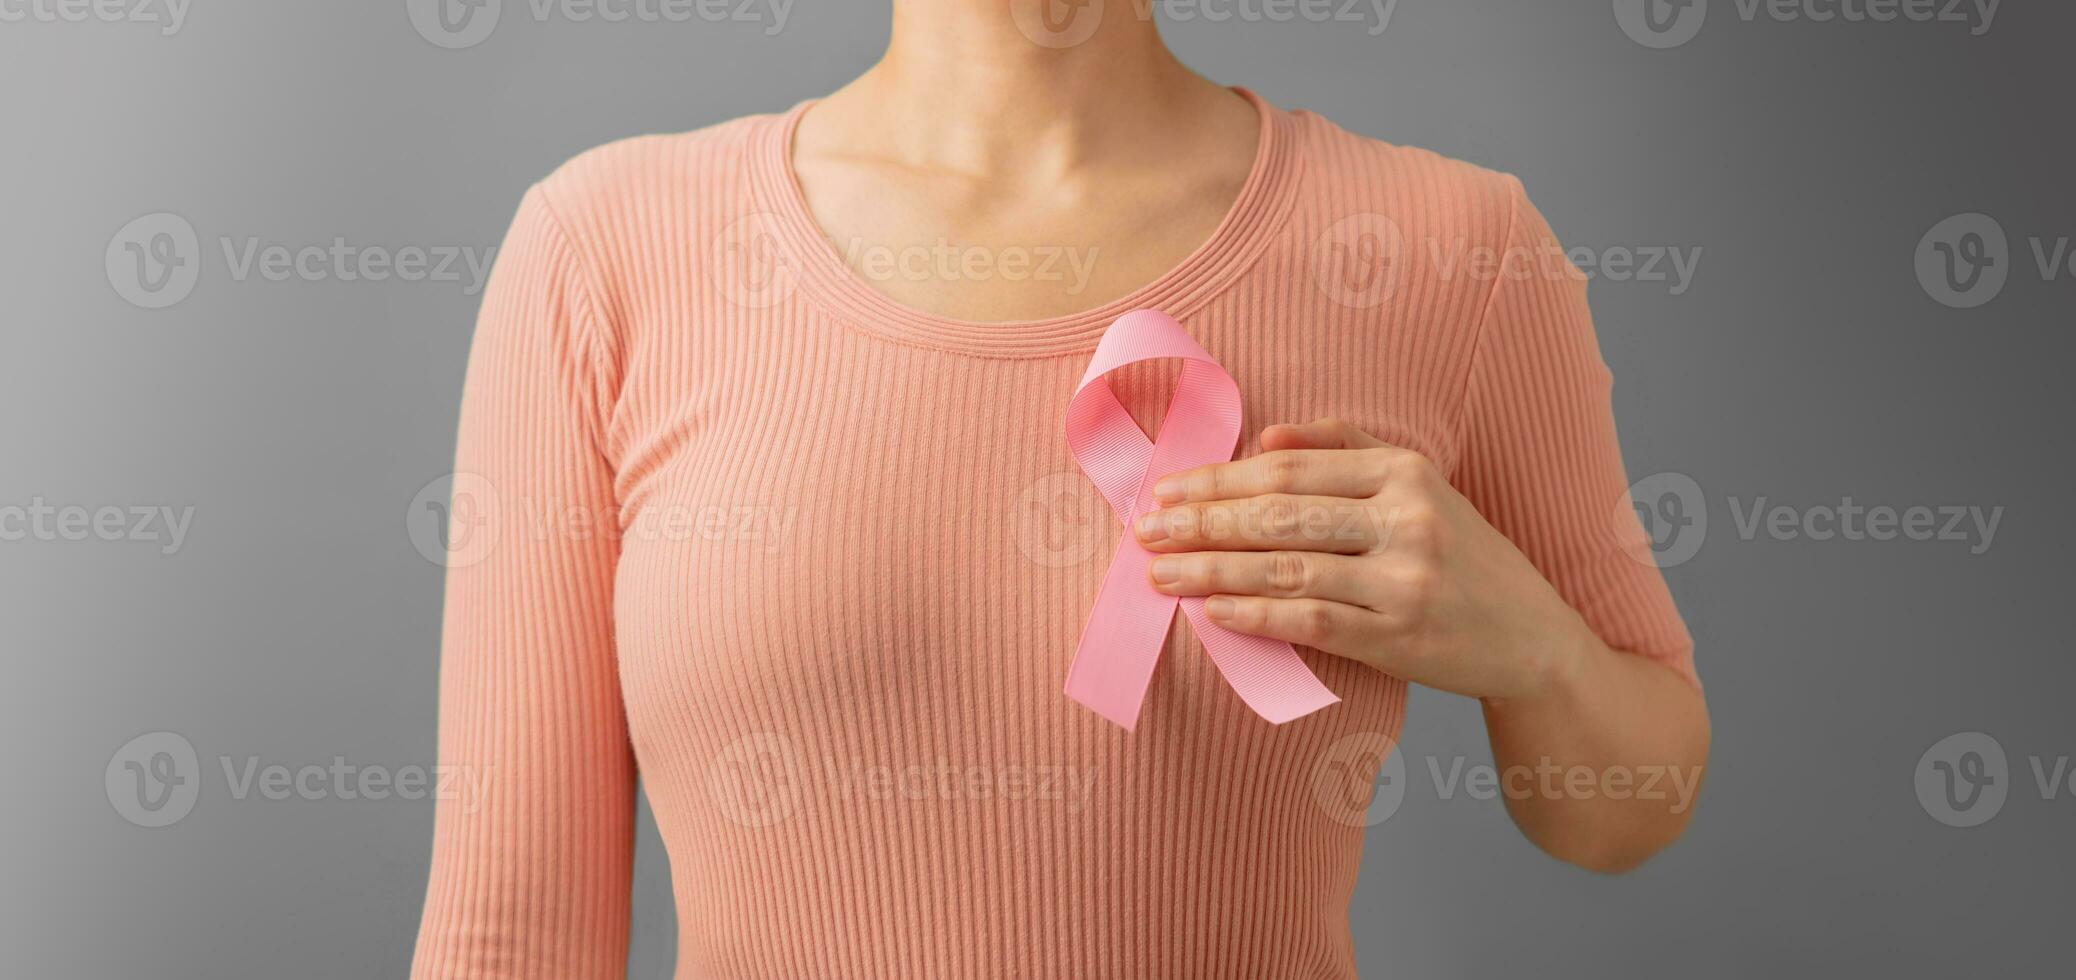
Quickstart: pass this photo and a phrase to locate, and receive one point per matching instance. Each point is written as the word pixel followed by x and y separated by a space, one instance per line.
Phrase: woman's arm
pixel 1601 767
pixel 1522 579
pixel 1621 713
pixel 532 880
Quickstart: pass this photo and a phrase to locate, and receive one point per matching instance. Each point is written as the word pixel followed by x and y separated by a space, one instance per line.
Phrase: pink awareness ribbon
pixel 1121 643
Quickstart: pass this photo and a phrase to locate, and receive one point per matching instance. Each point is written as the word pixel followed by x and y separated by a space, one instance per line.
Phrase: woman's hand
pixel 1335 540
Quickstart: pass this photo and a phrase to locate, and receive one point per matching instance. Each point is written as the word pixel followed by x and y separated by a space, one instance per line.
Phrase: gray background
pixel 1805 363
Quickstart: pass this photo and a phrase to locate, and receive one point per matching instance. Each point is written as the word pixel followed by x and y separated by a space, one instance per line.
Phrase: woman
pixel 763 436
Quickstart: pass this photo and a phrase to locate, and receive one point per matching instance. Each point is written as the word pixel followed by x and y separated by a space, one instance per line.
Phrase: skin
pixel 1109 151
pixel 1333 539
pixel 966 131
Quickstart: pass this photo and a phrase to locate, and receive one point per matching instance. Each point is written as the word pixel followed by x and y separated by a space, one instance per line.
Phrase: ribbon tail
pixel 1121 642
pixel 1267 674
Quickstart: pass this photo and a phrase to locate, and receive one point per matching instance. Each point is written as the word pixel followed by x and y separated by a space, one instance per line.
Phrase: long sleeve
pixel 531 880
pixel 859 556
pixel 1540 457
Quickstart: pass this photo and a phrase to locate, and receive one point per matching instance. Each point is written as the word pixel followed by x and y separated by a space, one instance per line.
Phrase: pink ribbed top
pixel 812 564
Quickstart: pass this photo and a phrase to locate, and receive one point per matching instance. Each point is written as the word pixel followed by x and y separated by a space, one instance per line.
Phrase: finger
pixel 1275 574
pixel 1327 473
pixel 1319 434
pixel 1276 522
pixel 1335 627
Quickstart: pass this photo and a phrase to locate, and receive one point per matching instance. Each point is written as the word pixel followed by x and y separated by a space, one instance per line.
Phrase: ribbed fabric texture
pixel 814 565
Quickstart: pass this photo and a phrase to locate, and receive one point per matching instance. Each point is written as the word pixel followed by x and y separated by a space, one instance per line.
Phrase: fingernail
pixel 1167 571
pixel 1169 490
pixel 1219 607
pixel 1152 528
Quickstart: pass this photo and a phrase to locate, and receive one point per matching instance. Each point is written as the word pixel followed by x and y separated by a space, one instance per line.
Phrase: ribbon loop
pixel 1121 642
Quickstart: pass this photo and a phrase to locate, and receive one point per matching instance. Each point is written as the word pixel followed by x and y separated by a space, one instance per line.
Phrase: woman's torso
pixel 856 558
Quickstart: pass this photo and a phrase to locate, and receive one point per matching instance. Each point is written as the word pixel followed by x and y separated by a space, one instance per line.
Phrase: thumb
pixel 1320 434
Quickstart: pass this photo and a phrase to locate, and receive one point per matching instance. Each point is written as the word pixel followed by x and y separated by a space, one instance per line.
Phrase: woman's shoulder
pixel 1422 191
pixel 630 185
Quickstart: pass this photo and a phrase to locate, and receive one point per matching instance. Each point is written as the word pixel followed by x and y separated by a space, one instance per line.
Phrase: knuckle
pixel 1412 598
pixel 1184 523
pixel 1289 572
pixel 1408 465
pixel 1281 471
pixel 1411 524
pixel 1378 462
pixel 1199 484
pixel 1416 584
pixel 1280 517
pixel 1315 622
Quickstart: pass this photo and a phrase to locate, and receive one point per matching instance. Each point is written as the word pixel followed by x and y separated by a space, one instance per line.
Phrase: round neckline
pixel 824 278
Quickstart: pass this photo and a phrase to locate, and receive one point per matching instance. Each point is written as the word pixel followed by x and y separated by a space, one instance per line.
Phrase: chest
pixel 889 525
pixel 983 253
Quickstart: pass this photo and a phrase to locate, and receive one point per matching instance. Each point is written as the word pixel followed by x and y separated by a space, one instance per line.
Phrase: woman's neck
pixel 986 87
